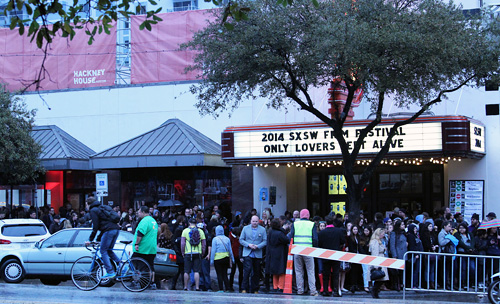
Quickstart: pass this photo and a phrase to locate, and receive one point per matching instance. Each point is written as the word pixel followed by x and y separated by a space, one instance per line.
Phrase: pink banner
pixel 69 64
pixel 155 54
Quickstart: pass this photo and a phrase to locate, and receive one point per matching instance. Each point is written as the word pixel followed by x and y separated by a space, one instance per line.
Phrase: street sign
pixel 101 184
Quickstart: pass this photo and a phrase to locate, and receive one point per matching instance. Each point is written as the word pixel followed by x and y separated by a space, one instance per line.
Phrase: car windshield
pixel 24 230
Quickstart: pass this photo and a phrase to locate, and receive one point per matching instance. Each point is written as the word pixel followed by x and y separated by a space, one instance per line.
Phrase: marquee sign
pixel 320 141
pixel 313 141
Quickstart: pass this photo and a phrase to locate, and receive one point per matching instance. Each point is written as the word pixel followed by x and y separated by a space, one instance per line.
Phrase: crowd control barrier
pixel 343 256
pixel 451 273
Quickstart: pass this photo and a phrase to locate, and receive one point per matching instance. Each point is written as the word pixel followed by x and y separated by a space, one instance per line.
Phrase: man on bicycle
pixel 145 239
pixel 109 234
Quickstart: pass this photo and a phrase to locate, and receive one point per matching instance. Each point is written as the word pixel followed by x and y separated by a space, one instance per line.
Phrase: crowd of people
pixel 257 247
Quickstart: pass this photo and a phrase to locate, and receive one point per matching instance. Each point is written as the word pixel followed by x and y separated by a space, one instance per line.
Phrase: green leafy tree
pixel 414 52
pixel 19 153
pixel 42 20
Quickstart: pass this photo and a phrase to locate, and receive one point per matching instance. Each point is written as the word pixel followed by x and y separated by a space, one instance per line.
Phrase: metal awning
pixel 173 144
pixel 61 151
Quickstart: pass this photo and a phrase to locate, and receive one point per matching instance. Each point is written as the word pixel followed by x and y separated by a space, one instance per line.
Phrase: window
pixel 315 185
pixel 183 6
pixel 436 182
pixel 59 240
pixel 24 230
pixel 142 8
pixel 401 182
pixel 81 238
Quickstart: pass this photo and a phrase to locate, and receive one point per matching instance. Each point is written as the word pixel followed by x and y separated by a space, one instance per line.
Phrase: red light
pixel 5 242
pixel 172 257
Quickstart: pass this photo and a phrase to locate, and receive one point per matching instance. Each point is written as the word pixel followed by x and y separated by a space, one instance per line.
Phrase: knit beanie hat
pixel 304 213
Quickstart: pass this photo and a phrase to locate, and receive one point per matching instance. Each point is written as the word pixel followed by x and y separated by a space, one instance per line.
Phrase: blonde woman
pixel 377 248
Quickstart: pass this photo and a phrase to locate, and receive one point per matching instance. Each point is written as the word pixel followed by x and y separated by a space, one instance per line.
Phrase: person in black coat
pixel 353 247
pixel 332 237
pixel 415 244
pixel 430 244
pixel 56 225
pixel 277 254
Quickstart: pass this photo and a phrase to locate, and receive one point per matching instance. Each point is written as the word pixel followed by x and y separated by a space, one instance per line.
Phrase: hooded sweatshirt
pixel 221 246
pixel 414 242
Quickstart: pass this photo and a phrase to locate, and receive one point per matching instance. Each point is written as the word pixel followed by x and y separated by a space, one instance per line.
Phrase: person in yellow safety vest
pixel 304 233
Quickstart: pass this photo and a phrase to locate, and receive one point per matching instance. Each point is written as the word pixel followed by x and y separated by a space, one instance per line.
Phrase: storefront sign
pixel 477 138
pixel 466 197
pixel 320 141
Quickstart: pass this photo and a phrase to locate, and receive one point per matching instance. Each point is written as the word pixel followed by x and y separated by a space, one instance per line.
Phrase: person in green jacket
pixel 145 239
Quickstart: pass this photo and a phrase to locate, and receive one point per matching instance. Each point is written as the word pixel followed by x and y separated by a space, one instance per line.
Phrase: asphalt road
pixel 36 293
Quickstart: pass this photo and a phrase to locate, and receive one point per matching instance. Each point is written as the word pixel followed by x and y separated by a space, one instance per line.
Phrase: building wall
pixel 290 188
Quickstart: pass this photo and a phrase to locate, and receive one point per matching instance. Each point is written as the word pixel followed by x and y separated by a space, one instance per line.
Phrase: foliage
pixel 414 51
pixel 19 162
pixel 48 18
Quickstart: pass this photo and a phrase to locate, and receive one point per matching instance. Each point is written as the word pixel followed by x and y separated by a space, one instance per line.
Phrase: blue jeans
pixel 205 274
pixel 108 241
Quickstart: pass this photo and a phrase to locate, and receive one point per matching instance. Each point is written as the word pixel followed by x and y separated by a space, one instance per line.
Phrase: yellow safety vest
pixel 303 233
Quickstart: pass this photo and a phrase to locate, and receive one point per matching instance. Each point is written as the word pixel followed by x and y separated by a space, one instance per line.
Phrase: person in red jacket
pixel 234 236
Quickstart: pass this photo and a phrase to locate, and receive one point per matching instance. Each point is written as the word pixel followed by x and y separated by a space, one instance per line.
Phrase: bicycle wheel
pixel 86 273
pixel 494 292
pixel 135 274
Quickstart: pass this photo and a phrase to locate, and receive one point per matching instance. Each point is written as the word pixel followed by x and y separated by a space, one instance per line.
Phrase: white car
pixel 21 233
pixel 51 260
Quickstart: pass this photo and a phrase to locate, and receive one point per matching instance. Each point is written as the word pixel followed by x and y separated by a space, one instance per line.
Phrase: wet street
pixel 35 293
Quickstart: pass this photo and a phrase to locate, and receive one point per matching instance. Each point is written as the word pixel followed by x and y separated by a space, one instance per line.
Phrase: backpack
pixel 107 213
pixel 194 237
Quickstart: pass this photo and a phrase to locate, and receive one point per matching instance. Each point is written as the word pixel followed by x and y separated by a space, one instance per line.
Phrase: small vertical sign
pixel 101 184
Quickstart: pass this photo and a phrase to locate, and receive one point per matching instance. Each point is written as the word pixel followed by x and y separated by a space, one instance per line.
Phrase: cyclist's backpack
pixel 194 237
pixel 107 213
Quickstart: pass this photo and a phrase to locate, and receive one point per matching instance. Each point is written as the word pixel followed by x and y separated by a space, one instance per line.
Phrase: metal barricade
pixel 445 272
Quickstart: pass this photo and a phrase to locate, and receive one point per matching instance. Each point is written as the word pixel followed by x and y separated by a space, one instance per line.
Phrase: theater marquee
pixel 316 141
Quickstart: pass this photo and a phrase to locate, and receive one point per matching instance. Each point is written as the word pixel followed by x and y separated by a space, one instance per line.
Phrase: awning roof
pixel 173 144
pixel 61 151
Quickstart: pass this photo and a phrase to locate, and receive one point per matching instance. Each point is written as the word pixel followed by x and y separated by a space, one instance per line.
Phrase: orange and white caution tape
pixel 347 257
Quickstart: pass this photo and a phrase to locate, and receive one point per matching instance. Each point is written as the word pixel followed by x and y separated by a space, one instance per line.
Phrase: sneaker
pixel 152 286
pixel 314 294
pixel 243 291
pixel 109 275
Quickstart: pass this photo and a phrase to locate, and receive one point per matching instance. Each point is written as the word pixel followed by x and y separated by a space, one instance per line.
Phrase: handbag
pixel 345 266
pixel 376 274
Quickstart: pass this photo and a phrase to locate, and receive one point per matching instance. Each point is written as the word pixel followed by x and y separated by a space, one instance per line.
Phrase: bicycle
pixel 494 289
pixel 134 273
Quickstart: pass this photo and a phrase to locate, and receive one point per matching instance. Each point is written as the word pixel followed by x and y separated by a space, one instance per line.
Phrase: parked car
pixel 50 260
pixel 17 234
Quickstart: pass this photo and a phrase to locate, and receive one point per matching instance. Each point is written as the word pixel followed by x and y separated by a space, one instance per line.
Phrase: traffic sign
pixel 101 184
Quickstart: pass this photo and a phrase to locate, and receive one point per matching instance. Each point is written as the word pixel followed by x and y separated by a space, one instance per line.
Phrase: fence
pixel 444 272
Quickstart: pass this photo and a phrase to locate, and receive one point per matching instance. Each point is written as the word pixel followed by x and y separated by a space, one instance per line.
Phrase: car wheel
pixel 52 282
pixel 13 271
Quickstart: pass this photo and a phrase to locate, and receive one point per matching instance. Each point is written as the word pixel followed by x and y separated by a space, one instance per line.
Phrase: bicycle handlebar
pixel 94 245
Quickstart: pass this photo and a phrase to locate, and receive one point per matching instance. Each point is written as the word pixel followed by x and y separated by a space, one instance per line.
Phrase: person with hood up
pixel 415 244
pixel 221 257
